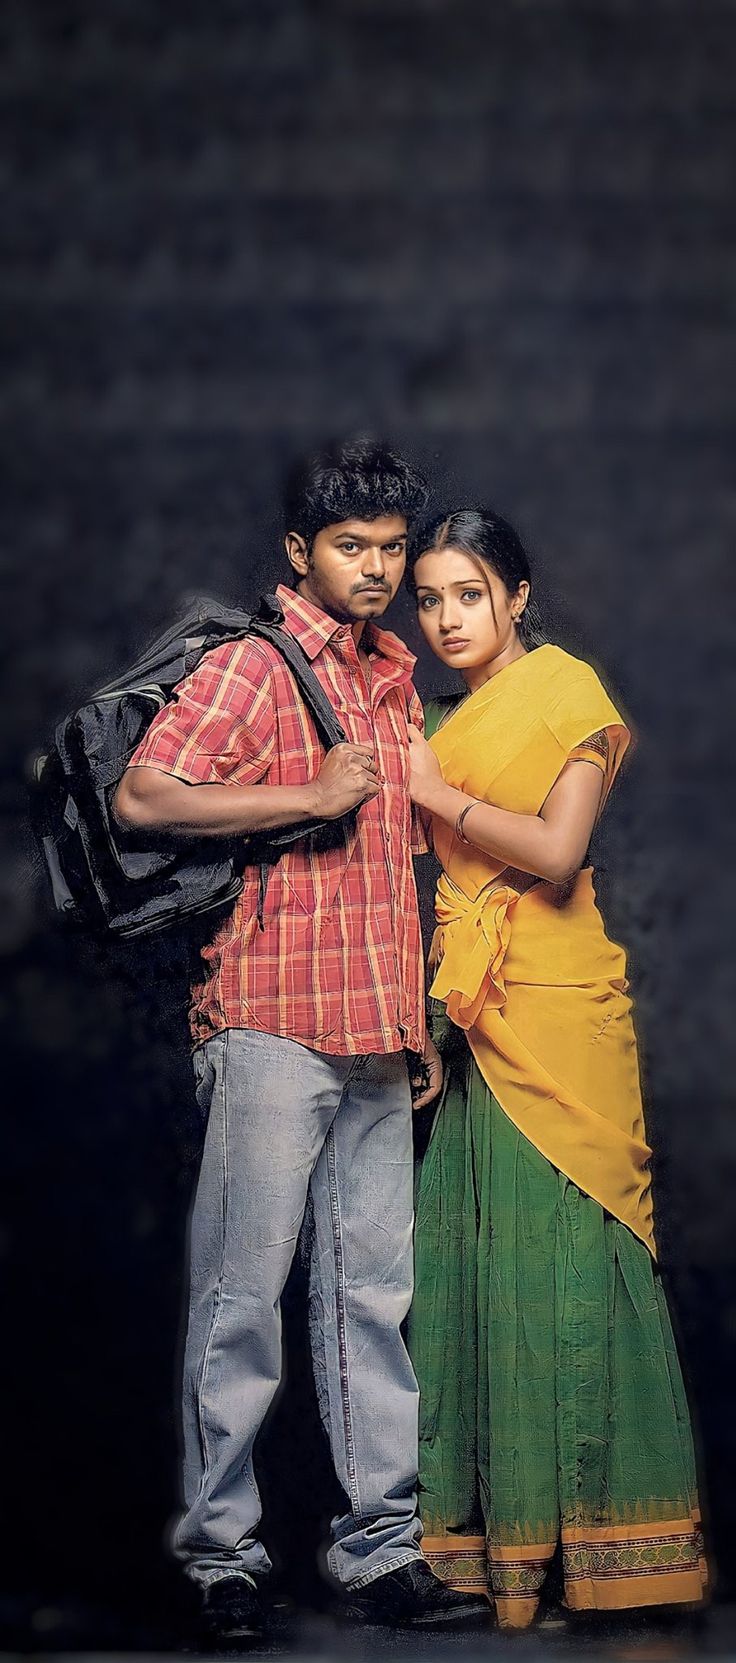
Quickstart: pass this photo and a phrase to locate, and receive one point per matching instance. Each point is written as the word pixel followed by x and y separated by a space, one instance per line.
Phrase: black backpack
pixel 106 878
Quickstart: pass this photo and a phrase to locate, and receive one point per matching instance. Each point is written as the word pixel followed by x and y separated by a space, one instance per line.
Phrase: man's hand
pixel 425 1076
pixel 347 778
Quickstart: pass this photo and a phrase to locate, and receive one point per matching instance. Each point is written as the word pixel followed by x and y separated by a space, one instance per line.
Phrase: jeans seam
pixel 217 1302
pixel 209 1578
pixel 350 1467
pixel 384 1569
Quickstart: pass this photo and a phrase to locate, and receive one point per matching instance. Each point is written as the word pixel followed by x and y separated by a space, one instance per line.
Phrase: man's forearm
pixel 149 800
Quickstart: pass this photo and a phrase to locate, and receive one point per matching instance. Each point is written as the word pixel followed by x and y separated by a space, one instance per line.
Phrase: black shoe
pixel 232 1609
pixel 413 1597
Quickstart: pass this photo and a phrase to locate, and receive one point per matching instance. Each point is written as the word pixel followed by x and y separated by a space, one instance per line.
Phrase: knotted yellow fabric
pixel 478 934
pixel 530 974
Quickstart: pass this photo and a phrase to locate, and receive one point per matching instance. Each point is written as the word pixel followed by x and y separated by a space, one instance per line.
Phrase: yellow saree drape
pixel 531 974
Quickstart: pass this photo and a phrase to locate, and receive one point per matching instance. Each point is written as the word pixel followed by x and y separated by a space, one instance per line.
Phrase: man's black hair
pixel 357 479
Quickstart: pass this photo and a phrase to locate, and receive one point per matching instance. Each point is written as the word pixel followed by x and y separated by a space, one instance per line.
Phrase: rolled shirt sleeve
pixel 220 726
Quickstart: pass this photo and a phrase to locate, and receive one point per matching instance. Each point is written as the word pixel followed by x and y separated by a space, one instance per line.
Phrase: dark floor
pixel 653 1637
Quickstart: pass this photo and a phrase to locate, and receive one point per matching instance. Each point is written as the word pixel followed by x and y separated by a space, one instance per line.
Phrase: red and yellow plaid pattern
pixel 338 966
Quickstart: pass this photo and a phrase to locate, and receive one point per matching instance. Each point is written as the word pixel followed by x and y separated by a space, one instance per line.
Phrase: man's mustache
pixel 362 588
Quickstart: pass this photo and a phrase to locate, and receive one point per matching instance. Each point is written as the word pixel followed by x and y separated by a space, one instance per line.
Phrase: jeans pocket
pixel 204 1072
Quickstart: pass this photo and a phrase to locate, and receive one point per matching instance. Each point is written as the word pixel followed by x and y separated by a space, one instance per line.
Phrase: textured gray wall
pixel 501 234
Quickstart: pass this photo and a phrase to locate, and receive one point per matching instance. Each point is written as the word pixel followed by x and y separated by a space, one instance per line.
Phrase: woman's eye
pixel 426 602
pixel 472 594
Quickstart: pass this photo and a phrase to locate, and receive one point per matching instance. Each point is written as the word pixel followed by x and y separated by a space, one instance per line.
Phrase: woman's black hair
pixel 486 537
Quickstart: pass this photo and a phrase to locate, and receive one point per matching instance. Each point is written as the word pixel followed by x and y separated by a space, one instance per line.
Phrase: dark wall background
pixel 503 235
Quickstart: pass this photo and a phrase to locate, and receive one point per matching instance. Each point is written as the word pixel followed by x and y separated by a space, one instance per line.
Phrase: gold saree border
pixel 460 1561
pixel 608 1567
pixel 612 1567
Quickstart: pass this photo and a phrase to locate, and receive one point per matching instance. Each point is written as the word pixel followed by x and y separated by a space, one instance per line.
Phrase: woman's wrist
pixel 460 831
pixel 446 803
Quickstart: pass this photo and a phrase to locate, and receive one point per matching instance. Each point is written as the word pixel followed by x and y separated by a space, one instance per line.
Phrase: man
pixel 301 1027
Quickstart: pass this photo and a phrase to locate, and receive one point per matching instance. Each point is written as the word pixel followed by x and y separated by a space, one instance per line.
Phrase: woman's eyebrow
pixel 462 583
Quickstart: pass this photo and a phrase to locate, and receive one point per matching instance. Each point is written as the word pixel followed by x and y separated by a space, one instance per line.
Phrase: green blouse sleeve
pixel 434 710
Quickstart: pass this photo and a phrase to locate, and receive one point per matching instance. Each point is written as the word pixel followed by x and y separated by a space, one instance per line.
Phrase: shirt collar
pixel 313 629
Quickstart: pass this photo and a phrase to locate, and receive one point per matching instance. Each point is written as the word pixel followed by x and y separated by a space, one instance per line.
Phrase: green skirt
pixel 553 1418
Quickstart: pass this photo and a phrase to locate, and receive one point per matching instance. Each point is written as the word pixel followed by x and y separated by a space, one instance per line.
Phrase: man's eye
pixel 394 548
pixel 348 548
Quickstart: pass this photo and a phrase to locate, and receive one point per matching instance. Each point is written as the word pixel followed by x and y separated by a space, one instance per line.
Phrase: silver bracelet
pixel 459 833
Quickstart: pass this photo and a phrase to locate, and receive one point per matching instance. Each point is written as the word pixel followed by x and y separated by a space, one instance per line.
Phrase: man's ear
pixel 297 553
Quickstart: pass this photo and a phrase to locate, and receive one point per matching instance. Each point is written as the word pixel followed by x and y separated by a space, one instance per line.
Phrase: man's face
pixel 353 569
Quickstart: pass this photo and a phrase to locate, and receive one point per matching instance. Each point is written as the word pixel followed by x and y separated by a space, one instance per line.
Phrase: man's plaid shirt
pixel 338 966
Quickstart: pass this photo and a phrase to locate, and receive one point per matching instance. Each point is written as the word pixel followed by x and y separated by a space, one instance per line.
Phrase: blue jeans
pixel 284 1123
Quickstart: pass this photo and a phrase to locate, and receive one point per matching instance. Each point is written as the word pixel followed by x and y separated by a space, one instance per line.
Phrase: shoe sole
pixel 225 1637
pixel 472 1616
pixel 235 1637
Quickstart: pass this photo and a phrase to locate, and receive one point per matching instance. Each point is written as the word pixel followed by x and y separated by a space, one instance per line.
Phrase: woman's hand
pixel 425 775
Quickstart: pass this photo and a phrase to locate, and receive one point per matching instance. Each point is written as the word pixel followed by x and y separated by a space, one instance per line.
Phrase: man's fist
pixel 347 778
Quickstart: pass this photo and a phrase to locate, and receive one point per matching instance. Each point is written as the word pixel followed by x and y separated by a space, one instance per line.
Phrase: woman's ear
pixel 522 596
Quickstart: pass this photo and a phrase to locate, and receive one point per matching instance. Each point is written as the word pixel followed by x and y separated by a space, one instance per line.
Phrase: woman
pixel 553 1419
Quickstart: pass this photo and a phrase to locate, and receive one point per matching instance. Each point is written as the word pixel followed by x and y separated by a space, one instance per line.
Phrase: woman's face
pixel 466 617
